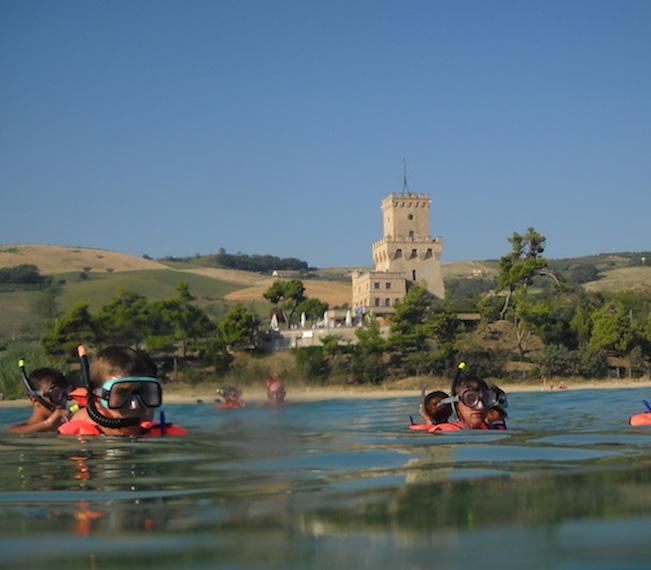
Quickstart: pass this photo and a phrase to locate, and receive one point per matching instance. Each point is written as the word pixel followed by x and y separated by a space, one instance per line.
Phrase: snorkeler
pixel 275 390
pixel 471 399
pixel 432 410
pixel 229 398
pixel 496 417
pixel 122 394
pixel 47 389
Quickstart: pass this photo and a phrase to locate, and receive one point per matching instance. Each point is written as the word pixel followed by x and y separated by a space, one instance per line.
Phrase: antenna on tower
pixel 405 187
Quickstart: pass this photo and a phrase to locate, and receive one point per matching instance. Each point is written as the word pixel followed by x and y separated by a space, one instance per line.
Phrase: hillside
pixel 622 279
pixel 95 275
pixel 54 259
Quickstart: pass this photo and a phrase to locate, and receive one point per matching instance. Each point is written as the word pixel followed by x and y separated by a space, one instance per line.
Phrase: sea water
pixel 337 484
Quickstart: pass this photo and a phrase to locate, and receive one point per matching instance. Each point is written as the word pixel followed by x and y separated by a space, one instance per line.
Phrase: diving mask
pixel 131 391
pixel 56 394
pixel 471 398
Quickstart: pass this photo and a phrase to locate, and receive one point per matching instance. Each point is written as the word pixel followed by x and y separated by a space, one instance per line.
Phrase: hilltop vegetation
pixel 589 312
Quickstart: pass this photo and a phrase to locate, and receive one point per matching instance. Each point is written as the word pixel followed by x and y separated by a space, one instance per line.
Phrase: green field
pixel 157 284
pixel 19 314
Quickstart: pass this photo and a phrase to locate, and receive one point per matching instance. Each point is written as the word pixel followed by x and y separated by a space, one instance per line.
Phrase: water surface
pixel 337 484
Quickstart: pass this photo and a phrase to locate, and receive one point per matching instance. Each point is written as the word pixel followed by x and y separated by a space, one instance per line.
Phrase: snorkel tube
pixel 453 386
pixel 93 413
pixel 30 391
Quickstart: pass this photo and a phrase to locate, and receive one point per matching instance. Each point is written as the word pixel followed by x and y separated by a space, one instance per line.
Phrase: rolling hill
pixel 95 275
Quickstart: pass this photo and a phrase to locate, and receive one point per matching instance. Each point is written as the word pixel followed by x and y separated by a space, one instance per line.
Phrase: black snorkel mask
pixel 57 395
pixel 93 413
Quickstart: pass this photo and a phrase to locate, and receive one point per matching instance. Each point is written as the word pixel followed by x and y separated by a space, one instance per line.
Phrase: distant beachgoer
pixel 276 391
pixel 47 390
pixel 229 398
pixel 432 410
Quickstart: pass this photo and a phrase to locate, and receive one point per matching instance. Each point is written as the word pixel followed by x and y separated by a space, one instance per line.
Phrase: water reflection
pixel 320 484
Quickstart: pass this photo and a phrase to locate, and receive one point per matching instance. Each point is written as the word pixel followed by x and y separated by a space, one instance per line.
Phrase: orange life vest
pixel 643 419
pixel 229 405
pixel 88 427
pixel 456 426
pixel 420 427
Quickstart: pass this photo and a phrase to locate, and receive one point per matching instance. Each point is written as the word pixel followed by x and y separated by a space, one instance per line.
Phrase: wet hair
pixel 469 384
pixel 434 410
pixel 230 393
pixel 498 392
pixel 41 378
pixel 116 361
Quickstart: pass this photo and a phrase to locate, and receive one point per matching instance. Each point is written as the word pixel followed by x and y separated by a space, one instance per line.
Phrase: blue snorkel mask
pixel 130 392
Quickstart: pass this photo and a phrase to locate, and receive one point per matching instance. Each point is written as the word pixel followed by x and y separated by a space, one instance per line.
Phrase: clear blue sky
pixel 175 128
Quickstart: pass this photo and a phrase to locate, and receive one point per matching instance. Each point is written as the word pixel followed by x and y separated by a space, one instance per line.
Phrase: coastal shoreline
pixel 301 393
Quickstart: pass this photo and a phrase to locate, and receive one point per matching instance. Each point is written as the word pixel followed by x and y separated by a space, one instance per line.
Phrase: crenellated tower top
pixel 406 216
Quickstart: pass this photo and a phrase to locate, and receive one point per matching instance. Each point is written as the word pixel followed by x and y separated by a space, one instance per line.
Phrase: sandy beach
pixel 189 394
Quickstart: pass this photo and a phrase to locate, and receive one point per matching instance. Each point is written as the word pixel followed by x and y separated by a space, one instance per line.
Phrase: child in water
pixel 496 417
pixel 275 390
pixel 47 390
pixel 472 399
pixel 125 395
pixel 433 411
pixel 229 398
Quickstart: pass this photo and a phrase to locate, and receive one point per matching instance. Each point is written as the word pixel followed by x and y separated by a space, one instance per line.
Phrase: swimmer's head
pixel 473 398
pixel 433 410
pixel 275 390
pixel 231 395
pixel 115 362
pixel 49 384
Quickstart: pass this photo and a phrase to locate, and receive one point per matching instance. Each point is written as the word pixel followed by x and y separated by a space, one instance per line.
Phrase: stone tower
pixel 407 245
pixel 407 253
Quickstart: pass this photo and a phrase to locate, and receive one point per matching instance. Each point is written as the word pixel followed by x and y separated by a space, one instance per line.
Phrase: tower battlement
pixel 406 249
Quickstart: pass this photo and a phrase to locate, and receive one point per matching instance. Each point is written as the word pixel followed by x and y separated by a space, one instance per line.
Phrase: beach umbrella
pixel 303 319
pixel 349 318
pixel 274 322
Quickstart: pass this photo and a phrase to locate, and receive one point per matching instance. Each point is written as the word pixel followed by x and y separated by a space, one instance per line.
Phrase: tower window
pixel 411 234
pixel 410 216
pixel 428 254
pixel 414 254
pixel 413 275
pixel 398 254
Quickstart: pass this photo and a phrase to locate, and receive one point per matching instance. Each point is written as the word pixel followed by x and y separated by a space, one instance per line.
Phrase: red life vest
pixel 643 419
pixel 445 427
pixel 456 426
pixel 81 426
pixel 229 405
pixel 420 427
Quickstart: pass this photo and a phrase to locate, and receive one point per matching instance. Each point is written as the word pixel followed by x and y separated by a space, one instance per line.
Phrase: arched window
pixel 413 275
pixel 398 254
pixel 387 302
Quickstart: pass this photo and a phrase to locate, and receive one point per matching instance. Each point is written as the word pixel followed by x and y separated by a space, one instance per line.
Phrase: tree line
pixel 530 313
